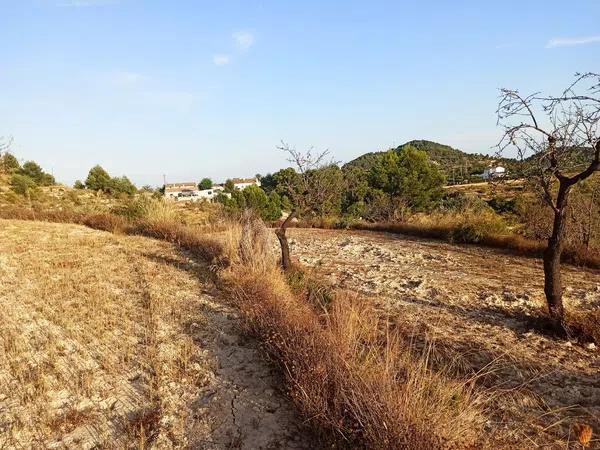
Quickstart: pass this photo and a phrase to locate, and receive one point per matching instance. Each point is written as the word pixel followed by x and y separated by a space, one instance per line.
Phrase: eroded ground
pixel 475 304
pixel 122 342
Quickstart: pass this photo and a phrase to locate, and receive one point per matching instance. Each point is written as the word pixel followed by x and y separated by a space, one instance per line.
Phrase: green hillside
pixel 456 165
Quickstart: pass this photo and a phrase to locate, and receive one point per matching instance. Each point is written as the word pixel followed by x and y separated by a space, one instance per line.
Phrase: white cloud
pixel 571 41
pixel 221 60
pixel 243 40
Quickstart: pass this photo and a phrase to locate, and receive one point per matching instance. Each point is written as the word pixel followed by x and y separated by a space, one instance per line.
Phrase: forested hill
pixel 456 165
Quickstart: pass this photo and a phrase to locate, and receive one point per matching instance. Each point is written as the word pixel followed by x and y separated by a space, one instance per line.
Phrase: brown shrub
pixel 346 370
pixel 189 238
pixel 350 375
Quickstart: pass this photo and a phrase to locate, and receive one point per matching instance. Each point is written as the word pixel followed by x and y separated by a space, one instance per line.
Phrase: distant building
pixel 243 183
pixel 211 193
pixel 178 191
pixel 493 172
pixel 190 191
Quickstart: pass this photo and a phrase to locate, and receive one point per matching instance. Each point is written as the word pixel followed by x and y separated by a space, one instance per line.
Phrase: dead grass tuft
pixel 348 371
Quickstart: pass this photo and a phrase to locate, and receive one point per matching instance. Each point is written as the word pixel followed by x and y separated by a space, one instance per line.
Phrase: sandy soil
pixel 475 304
pixel 122 342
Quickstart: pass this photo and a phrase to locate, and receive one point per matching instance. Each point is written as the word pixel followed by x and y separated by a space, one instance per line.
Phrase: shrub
pixel 475 227
pixel 9 163
pixel 121 185
pixel 35 172
pixel 23 185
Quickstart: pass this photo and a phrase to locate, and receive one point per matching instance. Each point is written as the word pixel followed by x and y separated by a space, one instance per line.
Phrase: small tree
pixel 229 187
pixel 23 185
pixel 10 163
pixel 98 179
pixel 555 132
pixel 307 190
pixel 121 185
pixel 206 183
pixel 33 170
pixel 78 185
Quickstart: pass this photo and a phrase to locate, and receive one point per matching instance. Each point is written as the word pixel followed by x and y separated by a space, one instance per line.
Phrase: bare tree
pixel 5 144
pixel 308 188
pixel 554 132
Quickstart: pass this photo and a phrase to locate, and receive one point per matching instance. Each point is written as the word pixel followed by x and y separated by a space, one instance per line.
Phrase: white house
pixel 211 193
pixel 243 183
pixel 494 172
pixel 181 191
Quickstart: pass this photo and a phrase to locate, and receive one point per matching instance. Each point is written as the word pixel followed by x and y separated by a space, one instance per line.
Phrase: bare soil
pixel 477 305
pixel 112 341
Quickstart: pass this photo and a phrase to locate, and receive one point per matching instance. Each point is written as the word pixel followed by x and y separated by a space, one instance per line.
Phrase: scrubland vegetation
pixel 358 376
pixel 357 373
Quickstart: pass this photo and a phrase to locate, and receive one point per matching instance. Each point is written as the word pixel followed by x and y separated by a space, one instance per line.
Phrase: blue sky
pixel 196 88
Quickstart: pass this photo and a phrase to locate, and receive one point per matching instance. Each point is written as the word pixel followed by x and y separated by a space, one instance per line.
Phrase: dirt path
pixel 475 303
pixel 119 342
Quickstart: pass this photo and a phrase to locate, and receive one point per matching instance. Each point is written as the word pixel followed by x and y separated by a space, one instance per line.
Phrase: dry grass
pixel 93 349
pixel 459 231
pixel 346 370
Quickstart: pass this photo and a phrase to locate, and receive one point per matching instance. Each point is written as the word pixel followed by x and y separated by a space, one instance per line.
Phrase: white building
pixel 211 193
pixel 494 172
pixel 243 183
pixel 181 191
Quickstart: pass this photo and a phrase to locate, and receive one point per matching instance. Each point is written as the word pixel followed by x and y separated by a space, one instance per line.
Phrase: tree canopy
pixel 205 183
pixel 33 170
pixel 99 179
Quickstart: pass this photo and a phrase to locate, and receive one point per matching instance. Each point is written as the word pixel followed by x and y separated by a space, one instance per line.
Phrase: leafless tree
pixel 307 188
pixel 552 132
pixel 5 144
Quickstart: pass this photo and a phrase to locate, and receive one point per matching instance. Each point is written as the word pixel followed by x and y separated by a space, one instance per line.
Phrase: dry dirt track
pixel 475 303
pixel 112 341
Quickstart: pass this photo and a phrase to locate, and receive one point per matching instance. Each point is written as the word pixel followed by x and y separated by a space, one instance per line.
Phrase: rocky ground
pixel 476 305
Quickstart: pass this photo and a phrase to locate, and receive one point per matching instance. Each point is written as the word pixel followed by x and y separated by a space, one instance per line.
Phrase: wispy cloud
pixel 243 40
pixel 221 60
pixel 571 41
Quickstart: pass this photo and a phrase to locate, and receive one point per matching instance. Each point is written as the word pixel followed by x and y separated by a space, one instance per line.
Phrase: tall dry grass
pixel 346 370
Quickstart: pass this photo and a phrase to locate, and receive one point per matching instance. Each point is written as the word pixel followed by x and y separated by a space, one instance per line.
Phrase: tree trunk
pixel 286 262
pixel 552 277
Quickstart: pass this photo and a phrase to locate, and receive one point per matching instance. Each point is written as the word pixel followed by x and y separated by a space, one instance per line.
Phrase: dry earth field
pixel 475 303
pixel 111 341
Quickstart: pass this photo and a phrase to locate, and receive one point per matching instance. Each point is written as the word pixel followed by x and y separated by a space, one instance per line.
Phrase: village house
pixel 493 172
pixel 243 183
pixel 190 192
pixel 181 191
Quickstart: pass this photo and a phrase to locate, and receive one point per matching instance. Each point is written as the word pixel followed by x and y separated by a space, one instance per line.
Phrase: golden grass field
pixel 108 340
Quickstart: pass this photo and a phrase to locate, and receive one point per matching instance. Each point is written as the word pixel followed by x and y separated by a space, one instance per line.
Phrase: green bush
pixel 32 170
pixel 23 185
pixel 474 227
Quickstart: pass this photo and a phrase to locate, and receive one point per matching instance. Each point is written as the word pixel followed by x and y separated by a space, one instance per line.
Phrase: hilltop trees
pixel 9 163
pixel 552 131
pixel 98 179
pixel 33 170
pixel 407 175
